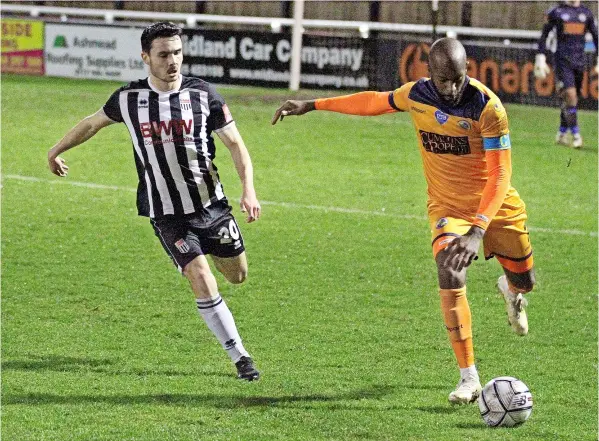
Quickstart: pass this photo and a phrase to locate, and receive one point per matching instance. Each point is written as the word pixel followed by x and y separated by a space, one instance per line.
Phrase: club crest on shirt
pixel 441 223
pixel 565 17
pixel 464 124
pixel 441 117
pixel 582 17
pixel 182 246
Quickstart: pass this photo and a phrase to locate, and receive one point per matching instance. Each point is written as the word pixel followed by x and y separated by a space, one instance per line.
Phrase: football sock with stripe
pixel 220 321
pixel 571 117
pixel 458 322
pixel 563 121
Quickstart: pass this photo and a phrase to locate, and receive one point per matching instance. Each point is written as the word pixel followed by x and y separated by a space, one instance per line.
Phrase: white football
pixel 505 402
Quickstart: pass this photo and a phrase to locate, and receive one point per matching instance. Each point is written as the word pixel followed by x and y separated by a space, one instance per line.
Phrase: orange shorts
pixel 506 239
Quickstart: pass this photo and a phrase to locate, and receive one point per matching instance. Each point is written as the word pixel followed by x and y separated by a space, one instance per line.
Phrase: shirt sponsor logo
pixel 464 124
pixel 170 127
pixel 441 223
pixel 441 117
pixel 185 104
pixel 443 144
pixel 182 246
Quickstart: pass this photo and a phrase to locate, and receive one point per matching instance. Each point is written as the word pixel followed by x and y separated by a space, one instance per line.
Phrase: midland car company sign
pixel 93 52
pixel 263 59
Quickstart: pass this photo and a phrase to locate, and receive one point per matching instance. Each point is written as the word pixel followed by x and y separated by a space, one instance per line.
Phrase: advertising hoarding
pixel 98 52
pixel 23 46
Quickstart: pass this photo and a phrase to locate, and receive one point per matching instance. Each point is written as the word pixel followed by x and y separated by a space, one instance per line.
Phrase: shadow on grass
pixel 60 363
pixel 344 400
pixel 476 426
pixel 438 409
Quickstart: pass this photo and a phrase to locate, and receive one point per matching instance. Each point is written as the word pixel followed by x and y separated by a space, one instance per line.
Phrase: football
pixel 505 402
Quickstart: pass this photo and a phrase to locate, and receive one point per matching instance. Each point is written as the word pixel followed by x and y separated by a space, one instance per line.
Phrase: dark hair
pixel 158 30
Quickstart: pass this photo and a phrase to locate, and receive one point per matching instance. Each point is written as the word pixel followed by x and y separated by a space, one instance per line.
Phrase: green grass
pixel 101 341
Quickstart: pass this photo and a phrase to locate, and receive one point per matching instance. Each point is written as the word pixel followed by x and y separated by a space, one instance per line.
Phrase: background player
pixel 571 22
pixel 170 119
pixel 464 140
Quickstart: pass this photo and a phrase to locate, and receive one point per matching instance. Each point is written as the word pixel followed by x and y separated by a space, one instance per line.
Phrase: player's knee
pixel 528 284
pixel 525 282
pixel 449 278
pixel 196 271
pixel 238 276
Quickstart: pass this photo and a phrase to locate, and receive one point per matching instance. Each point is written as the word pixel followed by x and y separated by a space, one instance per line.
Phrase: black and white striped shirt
pixel 173 144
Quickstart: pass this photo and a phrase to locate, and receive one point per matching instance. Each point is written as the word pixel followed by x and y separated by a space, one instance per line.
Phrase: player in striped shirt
pixel 171 119
pixel 464 141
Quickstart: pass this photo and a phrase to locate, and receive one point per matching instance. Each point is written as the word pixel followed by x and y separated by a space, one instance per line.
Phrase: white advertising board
pixel 106 53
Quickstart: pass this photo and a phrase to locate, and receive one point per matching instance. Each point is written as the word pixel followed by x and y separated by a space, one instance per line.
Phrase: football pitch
pixel 100 335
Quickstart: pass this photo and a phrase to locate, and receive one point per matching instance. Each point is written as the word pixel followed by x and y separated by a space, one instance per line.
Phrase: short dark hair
pixel 158 30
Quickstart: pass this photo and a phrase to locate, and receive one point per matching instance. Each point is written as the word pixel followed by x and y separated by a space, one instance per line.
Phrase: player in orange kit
pixel 464 140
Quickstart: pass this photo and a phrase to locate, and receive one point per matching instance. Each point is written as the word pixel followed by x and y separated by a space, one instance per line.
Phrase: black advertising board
pixel 263 59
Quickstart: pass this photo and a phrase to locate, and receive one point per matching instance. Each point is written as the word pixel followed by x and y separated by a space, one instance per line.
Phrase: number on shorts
pixel 233 230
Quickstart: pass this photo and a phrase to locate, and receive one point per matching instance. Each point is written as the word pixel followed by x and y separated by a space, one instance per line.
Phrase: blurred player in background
pixel 171 119
pixel 571 21
pixel 464 140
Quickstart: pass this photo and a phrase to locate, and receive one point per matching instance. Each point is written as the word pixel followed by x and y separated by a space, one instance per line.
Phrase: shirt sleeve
pixel 219 111
pixel 494 126
pixel 112 108
pixel 592 28
pixel 499 166
pixel 549 24
pixel 363 103
pixel 399 97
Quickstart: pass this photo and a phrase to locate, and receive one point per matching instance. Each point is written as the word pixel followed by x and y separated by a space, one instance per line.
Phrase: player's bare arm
pixel 293 107
pixel 84 130
pixel 231 138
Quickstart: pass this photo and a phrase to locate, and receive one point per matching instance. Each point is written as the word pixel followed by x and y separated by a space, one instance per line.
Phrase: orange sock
pixel 458 322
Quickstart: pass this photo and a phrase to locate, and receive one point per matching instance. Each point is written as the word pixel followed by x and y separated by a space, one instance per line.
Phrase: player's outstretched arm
pixel 84 130
pixel 368 103
pixel 293 107
pixel 231 138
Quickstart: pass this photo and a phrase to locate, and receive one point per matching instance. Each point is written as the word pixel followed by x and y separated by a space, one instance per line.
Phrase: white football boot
pixel 514 305
pixel 562 138
pixel 577 141
pixel 467 391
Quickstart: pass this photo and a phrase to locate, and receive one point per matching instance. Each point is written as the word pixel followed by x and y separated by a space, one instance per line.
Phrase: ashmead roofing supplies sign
pixel 23 46
pixel 94 52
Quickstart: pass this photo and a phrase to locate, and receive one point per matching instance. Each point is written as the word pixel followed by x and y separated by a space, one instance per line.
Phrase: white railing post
pixel 296 44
